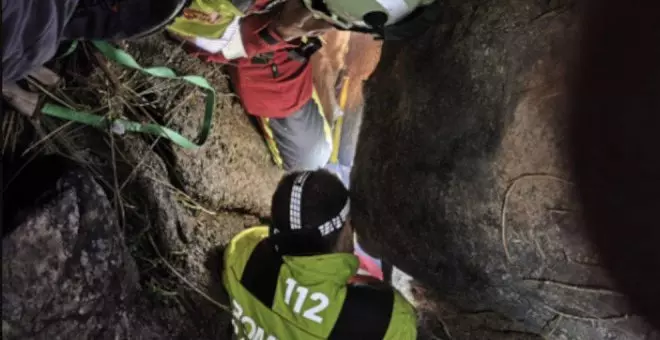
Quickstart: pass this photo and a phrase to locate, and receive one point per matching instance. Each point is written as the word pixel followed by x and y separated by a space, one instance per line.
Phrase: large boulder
pixel 66 271
pixel 163 209
pixel 461 177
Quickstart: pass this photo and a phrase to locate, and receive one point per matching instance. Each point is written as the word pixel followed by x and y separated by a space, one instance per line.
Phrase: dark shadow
pixel 615 142
pixel 25 184
pixel 215 265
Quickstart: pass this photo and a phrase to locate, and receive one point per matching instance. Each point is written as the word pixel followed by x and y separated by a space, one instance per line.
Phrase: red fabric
pixel 369 266
pixel 363 280
pixel 260 92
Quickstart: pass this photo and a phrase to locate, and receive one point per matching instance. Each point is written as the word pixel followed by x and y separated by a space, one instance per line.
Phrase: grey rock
pixel 66 272
pixel 461 181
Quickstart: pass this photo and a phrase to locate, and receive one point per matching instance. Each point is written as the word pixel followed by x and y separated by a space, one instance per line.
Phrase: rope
pixel 120 125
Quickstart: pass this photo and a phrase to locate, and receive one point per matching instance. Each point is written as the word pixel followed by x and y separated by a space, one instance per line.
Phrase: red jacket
pixel 276 88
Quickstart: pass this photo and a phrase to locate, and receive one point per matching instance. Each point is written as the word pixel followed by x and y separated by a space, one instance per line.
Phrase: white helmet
pixel 364 15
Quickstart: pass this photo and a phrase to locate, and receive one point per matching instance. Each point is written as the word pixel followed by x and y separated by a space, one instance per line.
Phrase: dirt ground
pixel 228 181
pixel 175 205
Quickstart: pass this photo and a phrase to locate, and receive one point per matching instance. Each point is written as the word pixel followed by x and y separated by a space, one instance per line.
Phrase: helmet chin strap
pixel 413 25
pixel 360 29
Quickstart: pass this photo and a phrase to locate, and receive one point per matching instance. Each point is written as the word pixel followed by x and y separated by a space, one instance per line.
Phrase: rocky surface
pixel 77 267
pixel 461 172
pixel 164 211
pixel 233 169
pixel 66 270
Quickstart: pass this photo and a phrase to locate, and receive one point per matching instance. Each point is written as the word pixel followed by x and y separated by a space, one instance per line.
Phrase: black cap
pixel 311 206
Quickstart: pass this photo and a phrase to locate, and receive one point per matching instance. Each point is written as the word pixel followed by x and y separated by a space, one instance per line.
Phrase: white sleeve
pixel 230 43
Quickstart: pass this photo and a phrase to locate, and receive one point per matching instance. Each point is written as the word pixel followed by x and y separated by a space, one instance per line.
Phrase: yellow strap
pixel 343 97
pixel 270 142
pixel 327 129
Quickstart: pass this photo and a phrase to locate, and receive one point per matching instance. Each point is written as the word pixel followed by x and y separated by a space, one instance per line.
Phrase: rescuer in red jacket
pixel 271 74
pixel 269 49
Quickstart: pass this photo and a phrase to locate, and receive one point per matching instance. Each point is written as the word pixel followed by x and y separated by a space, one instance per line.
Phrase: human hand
pixel 294 21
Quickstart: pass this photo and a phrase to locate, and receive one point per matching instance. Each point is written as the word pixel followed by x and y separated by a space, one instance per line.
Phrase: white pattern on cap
pixel 296 200
pixel 333 224
pixel 336 222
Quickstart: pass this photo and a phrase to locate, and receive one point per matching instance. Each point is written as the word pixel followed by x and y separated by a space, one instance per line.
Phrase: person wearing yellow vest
pixel 290 280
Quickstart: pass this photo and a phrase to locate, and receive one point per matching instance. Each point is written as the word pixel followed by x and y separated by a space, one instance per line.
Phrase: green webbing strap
pixel 72 47
pixel 117 125
pixel 125 59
